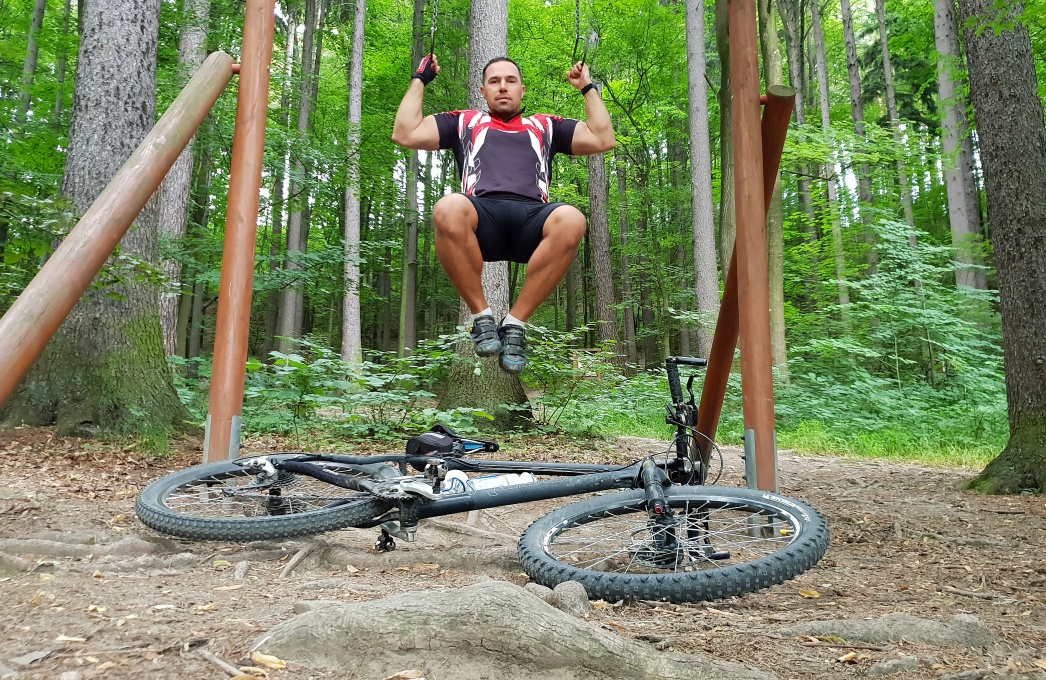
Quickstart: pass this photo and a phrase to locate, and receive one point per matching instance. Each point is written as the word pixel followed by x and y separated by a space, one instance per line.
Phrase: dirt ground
pixel 107 598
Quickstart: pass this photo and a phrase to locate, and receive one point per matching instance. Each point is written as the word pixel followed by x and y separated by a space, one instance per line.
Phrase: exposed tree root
pixel 131 546
pixel 467 530
pixel 13 563
pixel 492 629
pixel 299 557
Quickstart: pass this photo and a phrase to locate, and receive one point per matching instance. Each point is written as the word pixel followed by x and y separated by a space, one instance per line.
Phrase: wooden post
pixel 757 155
pixel 222 440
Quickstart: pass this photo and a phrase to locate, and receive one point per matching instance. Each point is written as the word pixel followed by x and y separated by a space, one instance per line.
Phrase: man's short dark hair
pixel 496 60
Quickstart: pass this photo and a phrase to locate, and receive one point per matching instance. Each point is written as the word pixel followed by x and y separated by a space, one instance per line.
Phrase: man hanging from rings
pixel 502 212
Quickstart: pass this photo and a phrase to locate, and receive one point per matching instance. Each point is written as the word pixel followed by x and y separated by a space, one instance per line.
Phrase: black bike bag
pixel 429 443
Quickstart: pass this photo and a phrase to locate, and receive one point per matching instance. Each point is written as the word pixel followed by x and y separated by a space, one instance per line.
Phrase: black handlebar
pixel 687 361
pixel 671 364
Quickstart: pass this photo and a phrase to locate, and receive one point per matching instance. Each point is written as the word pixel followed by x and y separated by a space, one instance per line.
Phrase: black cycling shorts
pixel 510 229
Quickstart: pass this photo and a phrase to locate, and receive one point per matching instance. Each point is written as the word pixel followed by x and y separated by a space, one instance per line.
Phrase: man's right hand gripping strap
pixel 425 73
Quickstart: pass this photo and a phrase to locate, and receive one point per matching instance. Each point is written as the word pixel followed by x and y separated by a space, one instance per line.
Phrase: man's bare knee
pixel 566 223
pixel 454 215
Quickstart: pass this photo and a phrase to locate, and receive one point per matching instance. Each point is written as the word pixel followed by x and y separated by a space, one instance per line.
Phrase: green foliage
pixel 906 368
pixel 565 376
pixel 384 397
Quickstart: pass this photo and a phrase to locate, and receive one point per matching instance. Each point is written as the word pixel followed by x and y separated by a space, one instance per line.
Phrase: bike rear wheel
pixel 719 542
pixel 225 502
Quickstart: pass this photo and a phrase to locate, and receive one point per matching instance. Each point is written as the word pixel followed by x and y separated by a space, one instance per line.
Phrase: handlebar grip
pixel 673 382
pixel 687 361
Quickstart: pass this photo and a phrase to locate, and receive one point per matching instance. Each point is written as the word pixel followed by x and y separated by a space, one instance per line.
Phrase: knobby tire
pixel 223 502
pixel 616 552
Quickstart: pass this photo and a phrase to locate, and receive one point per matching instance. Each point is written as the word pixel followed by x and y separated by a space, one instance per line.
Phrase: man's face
pixel 503 89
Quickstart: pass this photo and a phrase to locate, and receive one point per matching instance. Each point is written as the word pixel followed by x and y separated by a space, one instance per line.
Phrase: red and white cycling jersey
pixel 512 156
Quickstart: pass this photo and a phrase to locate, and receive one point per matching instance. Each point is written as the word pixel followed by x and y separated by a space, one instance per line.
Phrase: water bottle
pixel 457 481
pixel 495 481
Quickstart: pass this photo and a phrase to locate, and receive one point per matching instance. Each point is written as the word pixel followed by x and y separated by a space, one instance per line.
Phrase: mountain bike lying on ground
pixel 668 536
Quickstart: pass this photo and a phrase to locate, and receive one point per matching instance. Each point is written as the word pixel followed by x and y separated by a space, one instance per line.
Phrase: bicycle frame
pixel 420 497
pixel 572 479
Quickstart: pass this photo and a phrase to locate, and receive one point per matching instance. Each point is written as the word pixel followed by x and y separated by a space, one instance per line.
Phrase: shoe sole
pixel 488 349
pixel 514 369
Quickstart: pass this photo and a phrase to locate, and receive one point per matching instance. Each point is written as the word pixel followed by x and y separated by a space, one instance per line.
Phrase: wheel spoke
pixel 625 540
pixel 243 494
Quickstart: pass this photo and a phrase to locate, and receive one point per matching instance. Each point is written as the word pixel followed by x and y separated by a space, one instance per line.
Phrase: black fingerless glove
pixel 425 73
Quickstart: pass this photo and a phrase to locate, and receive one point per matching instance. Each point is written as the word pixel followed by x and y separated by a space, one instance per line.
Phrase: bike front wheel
pixel 716 542
pixel 226 502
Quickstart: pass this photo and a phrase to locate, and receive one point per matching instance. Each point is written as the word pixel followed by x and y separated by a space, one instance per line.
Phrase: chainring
pixel 391 491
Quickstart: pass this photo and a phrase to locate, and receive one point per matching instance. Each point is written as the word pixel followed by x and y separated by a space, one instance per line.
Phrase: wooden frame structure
pixel 745 311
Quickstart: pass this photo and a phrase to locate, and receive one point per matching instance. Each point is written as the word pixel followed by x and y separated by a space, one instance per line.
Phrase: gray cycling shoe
pixel 513 348
pixel 485 336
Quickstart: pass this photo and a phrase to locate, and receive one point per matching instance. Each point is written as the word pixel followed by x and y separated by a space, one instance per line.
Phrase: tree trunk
pixel 31 54
pixel 198 220
pixel 599 233
pixel 791 21
pixel 427 277
pixel 864 181
pixel 409 281
pixel 679 210
pixel 174 191
pixel 831 170
pixel 488 26
pixel 280 194
pixel 628 318
pixel 727 218
pixel 104 370
pixel 63 54
pixel 385 292
pixel 963 221
pixel 196 320
pixel 289 320
pixel 570 285
pixel 895 123
pixel 646 299
pixel 351 323
pixel 1012 140
pixel 184 314
pixel 706 273
pixel 774 74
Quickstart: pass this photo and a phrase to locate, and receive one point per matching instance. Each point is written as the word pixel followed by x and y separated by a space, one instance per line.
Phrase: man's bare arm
pixel 411 129
pixel 596 133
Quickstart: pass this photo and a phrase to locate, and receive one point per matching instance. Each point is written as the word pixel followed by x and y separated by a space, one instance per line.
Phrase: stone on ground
pixel 570 596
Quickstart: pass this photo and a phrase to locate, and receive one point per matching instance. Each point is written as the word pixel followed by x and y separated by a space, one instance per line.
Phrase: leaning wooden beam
pixel 36 315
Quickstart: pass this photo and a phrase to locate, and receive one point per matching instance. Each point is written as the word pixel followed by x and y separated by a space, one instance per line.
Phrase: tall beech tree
pixel 351 329
pixel 174 191
pixel 1012 136
pixel 706 274
pixel 963 215
pixel 488 31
